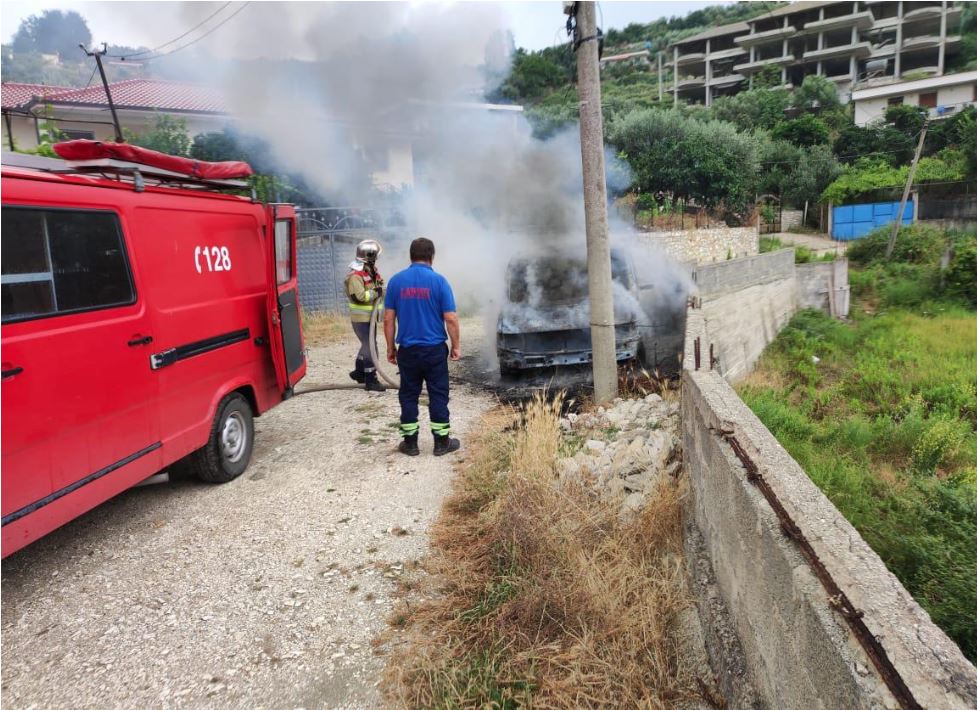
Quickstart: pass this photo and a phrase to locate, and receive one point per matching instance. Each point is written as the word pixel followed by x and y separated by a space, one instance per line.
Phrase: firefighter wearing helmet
pixel 364 288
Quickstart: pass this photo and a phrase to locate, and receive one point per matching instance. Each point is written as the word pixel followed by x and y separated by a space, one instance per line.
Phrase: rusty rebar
pixel 836 597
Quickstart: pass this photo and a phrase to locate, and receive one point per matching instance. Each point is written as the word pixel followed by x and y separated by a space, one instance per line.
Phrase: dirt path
pixel 264 592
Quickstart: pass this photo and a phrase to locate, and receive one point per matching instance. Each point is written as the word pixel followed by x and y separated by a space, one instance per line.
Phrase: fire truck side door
pixel 286 322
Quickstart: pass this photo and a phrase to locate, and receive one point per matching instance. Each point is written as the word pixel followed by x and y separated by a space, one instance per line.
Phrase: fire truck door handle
pixel 135 342
pixel 12 372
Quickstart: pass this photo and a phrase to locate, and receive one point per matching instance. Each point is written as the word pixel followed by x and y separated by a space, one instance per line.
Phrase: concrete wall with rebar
pixel 785 584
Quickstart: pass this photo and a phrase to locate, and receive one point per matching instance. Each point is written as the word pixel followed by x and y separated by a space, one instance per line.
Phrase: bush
pixel 916 244
pixel 805 131
pixel 961 276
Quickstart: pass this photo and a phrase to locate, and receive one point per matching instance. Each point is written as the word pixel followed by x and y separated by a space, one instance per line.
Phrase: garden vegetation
pixel 882 413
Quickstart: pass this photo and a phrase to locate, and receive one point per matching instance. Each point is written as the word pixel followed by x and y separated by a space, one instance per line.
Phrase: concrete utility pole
pixel 595 202
pixel 905 192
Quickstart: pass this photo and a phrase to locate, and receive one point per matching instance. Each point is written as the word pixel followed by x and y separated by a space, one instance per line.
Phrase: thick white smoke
pixel 375 75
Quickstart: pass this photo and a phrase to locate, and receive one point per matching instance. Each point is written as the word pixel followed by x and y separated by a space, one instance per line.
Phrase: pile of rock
pixel 626 448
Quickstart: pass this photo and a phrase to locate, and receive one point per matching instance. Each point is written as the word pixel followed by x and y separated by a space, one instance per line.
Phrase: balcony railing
pixel 691 82
pixel 757 65
pixel 862 20
pixel 727 80
pixel 691 58
pixel 764 37
pixel 859 49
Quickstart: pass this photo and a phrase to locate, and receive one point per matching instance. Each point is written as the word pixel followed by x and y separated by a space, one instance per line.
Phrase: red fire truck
pixel 147 317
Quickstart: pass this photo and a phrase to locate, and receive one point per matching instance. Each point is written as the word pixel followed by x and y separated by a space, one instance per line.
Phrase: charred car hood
pixel 516 318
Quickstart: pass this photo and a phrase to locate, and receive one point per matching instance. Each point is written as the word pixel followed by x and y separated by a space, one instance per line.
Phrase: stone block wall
pixel 790 219
pixel 796 650
pixel 703 246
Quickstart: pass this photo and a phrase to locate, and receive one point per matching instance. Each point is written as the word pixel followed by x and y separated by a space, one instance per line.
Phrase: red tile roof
pixel 16 94
pixel 146 94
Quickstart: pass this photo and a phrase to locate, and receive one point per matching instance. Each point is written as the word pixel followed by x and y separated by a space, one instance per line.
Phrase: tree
pixel 805 131
pixel 967 130
pixel 816 92
pixel 533 76
pixel 906 118
pixel 879 141
pixel 52 32
pixel 169 135
pixel 709 161
pixel 749 110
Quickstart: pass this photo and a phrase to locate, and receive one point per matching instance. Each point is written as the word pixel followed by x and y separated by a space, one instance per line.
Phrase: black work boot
pixel 372 383
pixel 409 445
pixel 358 375
pixel 444 444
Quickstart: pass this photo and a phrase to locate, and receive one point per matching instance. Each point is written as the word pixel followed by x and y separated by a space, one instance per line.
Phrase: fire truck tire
pixel 227 452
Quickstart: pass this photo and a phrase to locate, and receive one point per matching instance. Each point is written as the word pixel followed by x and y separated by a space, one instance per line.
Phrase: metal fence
pixel 327 239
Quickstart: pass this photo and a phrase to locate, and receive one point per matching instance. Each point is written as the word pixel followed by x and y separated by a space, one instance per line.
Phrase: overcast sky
pixel 534 24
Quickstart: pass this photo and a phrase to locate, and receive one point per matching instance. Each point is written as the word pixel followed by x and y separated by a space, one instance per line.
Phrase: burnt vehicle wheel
pixel 227 452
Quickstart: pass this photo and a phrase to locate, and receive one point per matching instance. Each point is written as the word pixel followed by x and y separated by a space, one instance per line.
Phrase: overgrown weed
pixel 541 593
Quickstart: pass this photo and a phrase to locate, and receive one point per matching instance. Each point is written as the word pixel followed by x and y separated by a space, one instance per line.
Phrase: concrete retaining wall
pixel 824 285
pixel 797 651
pixel 745 303
pixel 703 246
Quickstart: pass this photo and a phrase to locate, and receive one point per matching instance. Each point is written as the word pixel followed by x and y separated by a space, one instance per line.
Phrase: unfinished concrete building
pixel 853 43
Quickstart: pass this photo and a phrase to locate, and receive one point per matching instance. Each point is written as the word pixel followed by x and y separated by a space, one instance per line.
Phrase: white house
pixel 942 95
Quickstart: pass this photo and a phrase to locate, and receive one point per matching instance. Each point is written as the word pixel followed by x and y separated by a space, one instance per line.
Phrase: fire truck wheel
pixel 228 451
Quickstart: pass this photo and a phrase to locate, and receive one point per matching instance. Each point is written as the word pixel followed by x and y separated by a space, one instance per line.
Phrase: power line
pixel 175 39
pixel 205 34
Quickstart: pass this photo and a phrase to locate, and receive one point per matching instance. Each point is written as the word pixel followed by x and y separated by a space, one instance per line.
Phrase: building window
pixel 62 261
pixel 895 101
pixel 928 100
pixel 78 135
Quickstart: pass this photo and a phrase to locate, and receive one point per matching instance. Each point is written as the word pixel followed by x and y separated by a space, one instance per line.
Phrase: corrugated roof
pixel 15 94
pixel 736 28
pixel 150 94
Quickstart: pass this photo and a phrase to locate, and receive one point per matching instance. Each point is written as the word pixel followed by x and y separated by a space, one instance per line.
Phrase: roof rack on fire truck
pixel 138 166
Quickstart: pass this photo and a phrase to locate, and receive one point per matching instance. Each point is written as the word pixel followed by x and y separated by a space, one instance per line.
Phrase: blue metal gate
pixel 853 221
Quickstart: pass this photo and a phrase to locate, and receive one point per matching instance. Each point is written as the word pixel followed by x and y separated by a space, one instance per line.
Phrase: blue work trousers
pixel 420 364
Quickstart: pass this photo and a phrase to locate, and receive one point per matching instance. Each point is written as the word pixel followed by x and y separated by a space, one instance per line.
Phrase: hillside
pixel 544 80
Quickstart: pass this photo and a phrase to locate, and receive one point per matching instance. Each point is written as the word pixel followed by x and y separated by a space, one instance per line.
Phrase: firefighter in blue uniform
pixel 364 287
pixel 418 307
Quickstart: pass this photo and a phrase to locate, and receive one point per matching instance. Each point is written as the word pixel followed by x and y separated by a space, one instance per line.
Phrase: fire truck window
pixel 27 283
pixel 60 261
pixel 283 250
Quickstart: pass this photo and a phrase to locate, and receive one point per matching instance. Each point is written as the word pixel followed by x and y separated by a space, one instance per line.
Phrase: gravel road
pixel 264 592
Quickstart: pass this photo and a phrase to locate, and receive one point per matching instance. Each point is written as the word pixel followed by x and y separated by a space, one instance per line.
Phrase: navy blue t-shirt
pixel 421 297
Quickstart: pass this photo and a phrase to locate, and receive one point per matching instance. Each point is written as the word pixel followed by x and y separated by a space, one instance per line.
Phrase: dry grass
pixel 321 327
pixel 540 594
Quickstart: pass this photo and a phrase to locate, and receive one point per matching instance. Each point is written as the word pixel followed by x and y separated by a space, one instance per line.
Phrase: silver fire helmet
pixel 368 250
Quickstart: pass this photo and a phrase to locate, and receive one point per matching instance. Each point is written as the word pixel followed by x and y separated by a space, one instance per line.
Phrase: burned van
pixel 545 319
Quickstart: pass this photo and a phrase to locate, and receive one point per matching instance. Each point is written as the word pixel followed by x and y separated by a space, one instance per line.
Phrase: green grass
pixel 885 423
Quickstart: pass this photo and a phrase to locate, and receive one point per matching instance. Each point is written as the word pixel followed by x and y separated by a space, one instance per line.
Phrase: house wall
pixel 400 166
pixel 868 110
pixel 25 135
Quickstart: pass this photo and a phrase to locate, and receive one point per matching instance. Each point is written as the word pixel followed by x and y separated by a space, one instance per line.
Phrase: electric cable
pixel 175 39
pixel 194 41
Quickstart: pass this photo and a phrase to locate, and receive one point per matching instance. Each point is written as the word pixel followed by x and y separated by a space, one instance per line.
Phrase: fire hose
pixel 392 382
